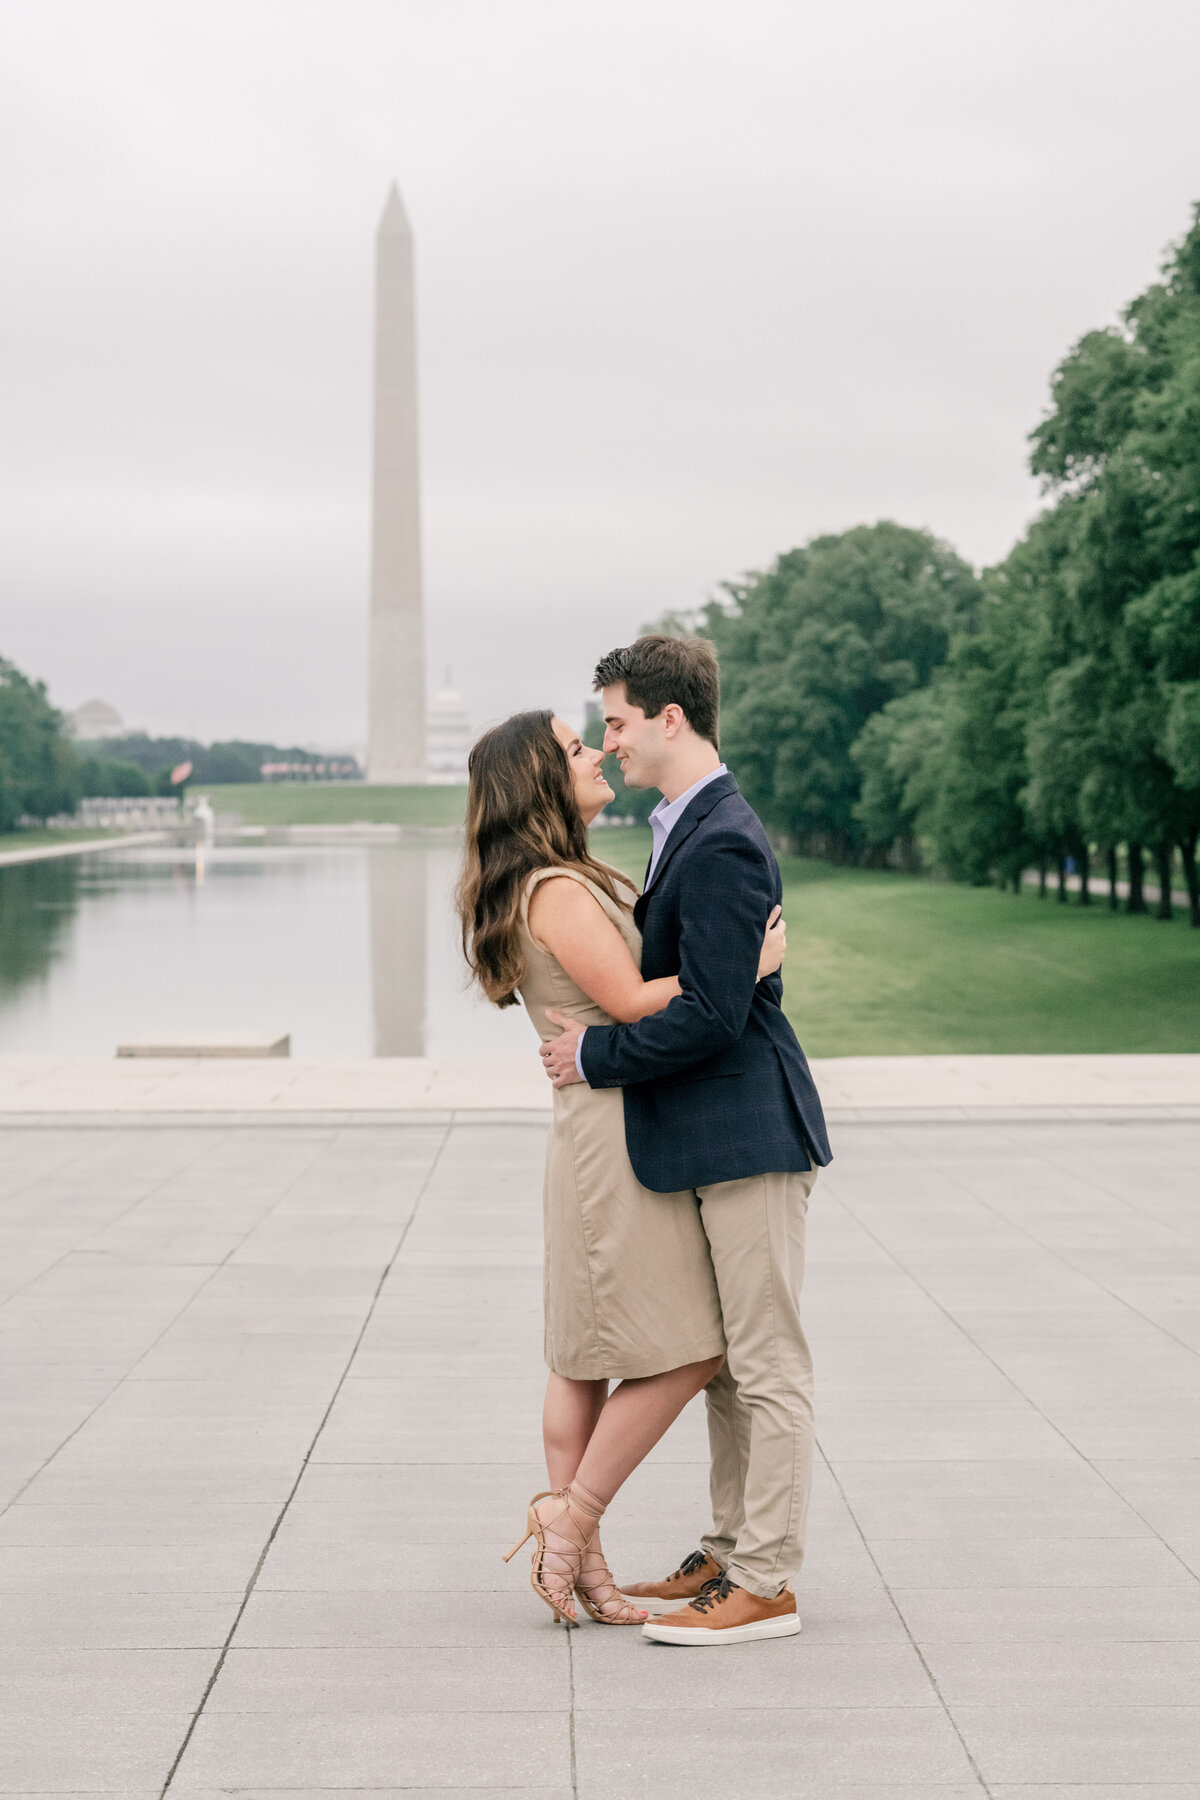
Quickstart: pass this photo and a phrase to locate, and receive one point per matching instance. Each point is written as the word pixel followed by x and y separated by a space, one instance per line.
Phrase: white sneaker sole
pixel 787 1626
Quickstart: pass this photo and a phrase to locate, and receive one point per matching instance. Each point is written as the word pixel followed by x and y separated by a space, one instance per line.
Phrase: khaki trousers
pixel 760 1407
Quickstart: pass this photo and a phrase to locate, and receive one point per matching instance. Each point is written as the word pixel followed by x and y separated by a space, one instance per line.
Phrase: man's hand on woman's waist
pixel 560 1055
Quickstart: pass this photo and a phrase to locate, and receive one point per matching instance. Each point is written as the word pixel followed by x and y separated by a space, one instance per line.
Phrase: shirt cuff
pixel 579 1056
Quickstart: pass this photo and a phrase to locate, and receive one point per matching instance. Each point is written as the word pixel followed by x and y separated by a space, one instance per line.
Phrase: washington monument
pixel 396 697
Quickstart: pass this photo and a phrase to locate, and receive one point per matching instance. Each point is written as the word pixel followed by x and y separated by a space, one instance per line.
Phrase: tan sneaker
pixel 684 1584
pixel 727 1614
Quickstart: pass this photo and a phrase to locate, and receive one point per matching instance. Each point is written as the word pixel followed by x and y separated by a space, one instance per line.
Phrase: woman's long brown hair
pixel 522 815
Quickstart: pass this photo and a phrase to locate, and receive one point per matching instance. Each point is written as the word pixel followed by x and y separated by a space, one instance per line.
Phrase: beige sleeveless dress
pixel 629 1285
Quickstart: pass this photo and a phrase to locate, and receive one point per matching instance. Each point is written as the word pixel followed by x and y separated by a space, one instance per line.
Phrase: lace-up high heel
pixel 599 1594
pixel 562 1536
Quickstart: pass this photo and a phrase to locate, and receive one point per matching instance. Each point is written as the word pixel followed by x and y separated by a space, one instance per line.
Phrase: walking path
pixel 1098 887
pixel 272 1415
pixel 852 1087
pixel 77 847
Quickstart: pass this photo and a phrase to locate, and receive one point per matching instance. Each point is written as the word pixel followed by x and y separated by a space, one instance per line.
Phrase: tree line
pixel 44 773
pixel 881 702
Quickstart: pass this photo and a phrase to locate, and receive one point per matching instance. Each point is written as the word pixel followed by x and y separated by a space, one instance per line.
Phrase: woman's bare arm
pixel 570 923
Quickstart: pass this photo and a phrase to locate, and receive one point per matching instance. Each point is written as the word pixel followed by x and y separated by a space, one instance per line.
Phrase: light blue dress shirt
pixel 663 821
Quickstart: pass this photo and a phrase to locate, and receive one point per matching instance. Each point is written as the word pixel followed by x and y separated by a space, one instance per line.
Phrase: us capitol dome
pixel 448 735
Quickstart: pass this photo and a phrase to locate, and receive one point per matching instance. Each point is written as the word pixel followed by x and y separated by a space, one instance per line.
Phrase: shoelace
pixel 691 1563
pixel 712 1592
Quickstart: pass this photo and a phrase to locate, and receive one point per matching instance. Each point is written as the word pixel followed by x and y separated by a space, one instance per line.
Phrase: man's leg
pixel 729 1457
pixel 761 1424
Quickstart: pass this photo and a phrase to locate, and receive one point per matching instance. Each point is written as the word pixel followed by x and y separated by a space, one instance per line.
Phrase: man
pixel 718 1099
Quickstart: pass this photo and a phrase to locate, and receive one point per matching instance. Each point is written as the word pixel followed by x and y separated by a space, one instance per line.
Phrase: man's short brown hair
pixel 657 670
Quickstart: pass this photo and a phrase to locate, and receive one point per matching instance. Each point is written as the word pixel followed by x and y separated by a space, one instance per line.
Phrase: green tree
pixel 1120 450
pixel 39 771
pixel 813 649
pixel 1056 703
pixel 107 779
pixel 900 755
pixel 235 760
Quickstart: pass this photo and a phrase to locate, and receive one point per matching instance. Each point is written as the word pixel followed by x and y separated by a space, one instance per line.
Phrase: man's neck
pixel 705 761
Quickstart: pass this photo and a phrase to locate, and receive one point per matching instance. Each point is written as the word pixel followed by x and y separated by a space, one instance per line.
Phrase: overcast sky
pixel 695 282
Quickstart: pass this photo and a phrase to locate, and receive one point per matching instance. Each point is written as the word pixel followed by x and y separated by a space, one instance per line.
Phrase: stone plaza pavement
pixel 853 1088
pixel 271 1397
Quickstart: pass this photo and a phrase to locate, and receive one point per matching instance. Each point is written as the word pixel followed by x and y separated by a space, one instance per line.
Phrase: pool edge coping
pixel 113 1118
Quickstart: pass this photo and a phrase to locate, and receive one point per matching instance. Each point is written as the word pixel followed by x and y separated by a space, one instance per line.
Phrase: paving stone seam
pixel 1121 1199
pixel 213 1272
pixel 1087 1275
pixel 899 1612
pixel 304 1461
pixel 976 1716
pixel 68 1163
pixel 114 1220
pixel 571 1714
pixel 1015 1385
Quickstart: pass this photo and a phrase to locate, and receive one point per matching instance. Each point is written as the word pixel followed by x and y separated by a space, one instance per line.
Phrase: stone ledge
pixel 880 1089
pixel 77 847
pixel 892 1118
pixel 224 1046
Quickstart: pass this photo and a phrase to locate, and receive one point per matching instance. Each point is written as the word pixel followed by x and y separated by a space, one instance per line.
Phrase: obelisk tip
pixel 394 220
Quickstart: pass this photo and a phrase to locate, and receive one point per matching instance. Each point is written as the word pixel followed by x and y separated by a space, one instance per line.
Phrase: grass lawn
pixel 881 964
pixel 329 803
pixel 34 839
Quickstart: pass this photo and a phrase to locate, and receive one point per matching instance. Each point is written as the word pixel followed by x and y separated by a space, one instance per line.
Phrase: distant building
pixel 96 719
pixel 448 736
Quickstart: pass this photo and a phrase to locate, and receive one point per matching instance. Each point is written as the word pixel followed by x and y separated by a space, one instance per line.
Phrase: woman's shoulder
pixel 582 876
pixel 624 883
pixel 552 871
pixel 553 876
pixel 541 881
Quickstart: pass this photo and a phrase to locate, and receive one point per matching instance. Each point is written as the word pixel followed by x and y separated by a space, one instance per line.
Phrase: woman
pixel 628 1288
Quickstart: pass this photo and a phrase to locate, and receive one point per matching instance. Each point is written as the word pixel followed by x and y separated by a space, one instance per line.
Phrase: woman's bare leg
pixel 569 1418
pixel 598 1439
pixel 633 1418
pixel 569 1414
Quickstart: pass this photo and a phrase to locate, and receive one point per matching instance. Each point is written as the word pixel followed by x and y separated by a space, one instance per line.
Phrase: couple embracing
pixel 686 1139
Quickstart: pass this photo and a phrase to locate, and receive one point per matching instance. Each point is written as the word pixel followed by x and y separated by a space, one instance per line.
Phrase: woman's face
pixel 591 790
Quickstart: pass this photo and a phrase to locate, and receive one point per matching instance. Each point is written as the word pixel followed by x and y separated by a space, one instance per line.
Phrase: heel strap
pixel 575 1520
pixel 585 1500
pixel 597 1584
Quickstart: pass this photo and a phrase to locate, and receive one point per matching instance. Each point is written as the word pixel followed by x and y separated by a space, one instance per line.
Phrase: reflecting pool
pixel 351 948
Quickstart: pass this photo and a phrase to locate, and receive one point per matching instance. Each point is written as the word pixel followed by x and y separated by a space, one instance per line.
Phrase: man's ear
pixel 673 718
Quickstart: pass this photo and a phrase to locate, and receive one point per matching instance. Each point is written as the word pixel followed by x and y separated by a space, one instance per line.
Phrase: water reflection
pixel 397 886
pixel 352 949
pixel 37 902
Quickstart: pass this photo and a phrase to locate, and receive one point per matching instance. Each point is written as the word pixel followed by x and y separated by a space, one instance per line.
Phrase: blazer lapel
pixel 699 809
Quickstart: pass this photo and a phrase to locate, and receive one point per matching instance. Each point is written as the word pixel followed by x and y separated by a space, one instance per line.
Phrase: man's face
pixel 636 741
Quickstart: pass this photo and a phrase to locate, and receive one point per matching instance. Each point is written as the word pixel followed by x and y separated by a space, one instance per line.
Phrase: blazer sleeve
pixel 723 908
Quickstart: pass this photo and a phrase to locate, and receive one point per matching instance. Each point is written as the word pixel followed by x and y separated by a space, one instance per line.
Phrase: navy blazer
pixel 716 1085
